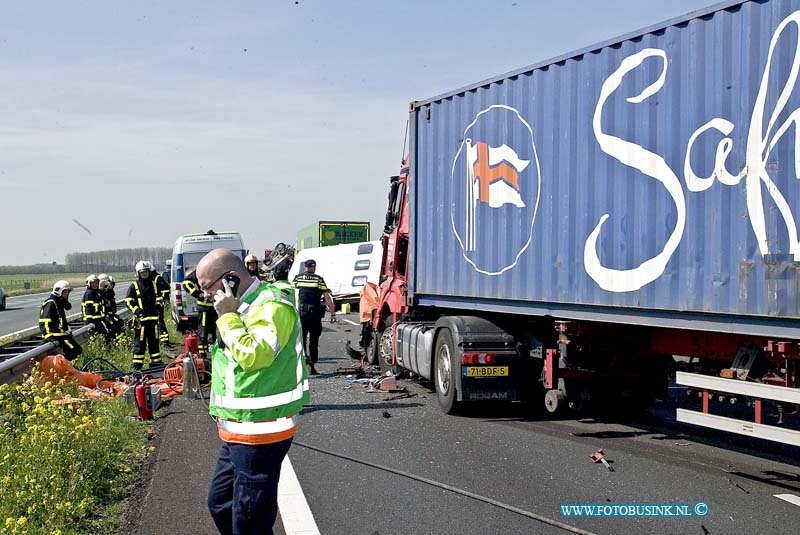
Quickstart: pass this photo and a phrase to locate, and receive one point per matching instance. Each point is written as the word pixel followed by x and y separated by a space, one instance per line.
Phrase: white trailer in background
pixel 346 268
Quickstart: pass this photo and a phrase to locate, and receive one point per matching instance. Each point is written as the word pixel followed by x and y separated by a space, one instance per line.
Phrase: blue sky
pixel 144 120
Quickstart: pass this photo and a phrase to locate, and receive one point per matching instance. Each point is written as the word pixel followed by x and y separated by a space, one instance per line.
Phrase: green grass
pixel 14 285
pixel 66 469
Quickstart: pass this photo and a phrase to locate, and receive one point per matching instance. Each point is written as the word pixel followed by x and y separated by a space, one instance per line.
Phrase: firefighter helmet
pixel 102 277
pixel 60 287
pixel 142 265
pixel 90 279
pixel 250 258
pixel 105 284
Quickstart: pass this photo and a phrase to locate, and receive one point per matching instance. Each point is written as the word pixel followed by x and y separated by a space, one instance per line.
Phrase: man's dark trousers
pixel 312 329
pixel 243 498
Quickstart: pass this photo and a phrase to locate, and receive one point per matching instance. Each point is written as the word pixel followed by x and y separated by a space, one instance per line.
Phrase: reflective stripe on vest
pixel 263 402
pixel 258 428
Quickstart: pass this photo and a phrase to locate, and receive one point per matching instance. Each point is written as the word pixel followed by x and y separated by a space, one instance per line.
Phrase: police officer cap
pixel 311 263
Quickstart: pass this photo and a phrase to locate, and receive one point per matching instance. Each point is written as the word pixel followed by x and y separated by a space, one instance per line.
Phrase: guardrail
pixel 17 366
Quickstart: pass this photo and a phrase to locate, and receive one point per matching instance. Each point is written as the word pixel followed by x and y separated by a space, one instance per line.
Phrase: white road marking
pixel 791 498
pixel 295 513
pixel 351 322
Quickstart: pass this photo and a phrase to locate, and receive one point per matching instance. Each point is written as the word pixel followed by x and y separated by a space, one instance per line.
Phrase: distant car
pixel 2 299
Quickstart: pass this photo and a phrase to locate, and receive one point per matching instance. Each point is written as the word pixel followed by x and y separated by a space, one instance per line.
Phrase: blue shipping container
pixel 651 179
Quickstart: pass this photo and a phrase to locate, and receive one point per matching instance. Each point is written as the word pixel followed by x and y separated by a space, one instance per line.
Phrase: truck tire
pixel 445 372
pixel 379 350
pixel 372 351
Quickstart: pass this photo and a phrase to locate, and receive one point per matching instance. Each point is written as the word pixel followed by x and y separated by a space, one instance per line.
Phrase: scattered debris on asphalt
pixel 735 484
pixel 402 395
pixel 353 353
pixel 600 457
pixel 386 414
pixel 682 444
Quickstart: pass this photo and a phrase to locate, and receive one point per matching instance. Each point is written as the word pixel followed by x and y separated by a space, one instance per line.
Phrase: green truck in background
pixel 327 233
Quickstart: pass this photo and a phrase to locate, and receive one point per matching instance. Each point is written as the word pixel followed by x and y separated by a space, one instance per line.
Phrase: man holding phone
pixel 259 386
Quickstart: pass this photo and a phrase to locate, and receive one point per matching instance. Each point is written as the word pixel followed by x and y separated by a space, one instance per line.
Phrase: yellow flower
pixel 22 521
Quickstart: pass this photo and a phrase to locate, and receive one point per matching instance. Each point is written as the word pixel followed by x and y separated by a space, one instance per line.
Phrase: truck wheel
pixel 445 372
pixel 371 352
pixel 385 344
pixel 554 401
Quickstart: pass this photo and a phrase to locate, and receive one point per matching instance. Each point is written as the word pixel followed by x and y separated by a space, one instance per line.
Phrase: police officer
pixel 206 315
pixel 312 289
pixel 144 301
pixel 53 320
pixel 93 305
pixel 163 292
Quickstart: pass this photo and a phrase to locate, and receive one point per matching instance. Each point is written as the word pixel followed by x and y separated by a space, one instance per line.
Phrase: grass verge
pixel 66 469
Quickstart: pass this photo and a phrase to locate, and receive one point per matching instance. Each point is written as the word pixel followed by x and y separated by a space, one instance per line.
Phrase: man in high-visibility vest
pixel 259 386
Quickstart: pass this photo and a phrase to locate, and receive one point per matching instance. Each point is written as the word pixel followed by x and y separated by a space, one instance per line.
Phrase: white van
pixel 188 251
pixel 346 268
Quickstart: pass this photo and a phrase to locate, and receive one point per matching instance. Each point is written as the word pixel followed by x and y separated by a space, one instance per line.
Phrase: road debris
pixel 600 457
pixel 402 395
pixel 735 484
pixel 386 414
pixel 386 383
pixel 353 353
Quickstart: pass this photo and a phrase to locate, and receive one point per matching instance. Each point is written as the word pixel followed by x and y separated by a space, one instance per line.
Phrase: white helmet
pixel 250 258
pixel 141 265
pixel 110 278
pixel 61 286
pixel 91 278
pixel 102 277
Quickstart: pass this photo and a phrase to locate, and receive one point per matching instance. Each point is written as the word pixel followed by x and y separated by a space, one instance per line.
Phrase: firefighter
pixel 53 320
pixel 93 305
pixel 114 323
pixel 163 293
pixel 251 261
pixel 206 315
pixel 312 289
pixel 144 301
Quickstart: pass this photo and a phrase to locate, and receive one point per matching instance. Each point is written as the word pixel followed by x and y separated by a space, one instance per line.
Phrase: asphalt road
pixel 372 466
pixel 23 312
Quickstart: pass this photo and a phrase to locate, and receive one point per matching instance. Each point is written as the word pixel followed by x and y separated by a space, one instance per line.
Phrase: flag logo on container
pixel 495 186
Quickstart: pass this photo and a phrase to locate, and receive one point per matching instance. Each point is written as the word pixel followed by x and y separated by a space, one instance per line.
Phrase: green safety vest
pixel 259 377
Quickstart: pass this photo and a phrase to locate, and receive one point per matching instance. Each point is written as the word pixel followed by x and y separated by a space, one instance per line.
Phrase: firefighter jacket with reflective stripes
pixel 93 305
pixel 260 381
pixel 143 296
pixel 111 301
pixel 53 317
pixel 192 287
pixel 163 288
